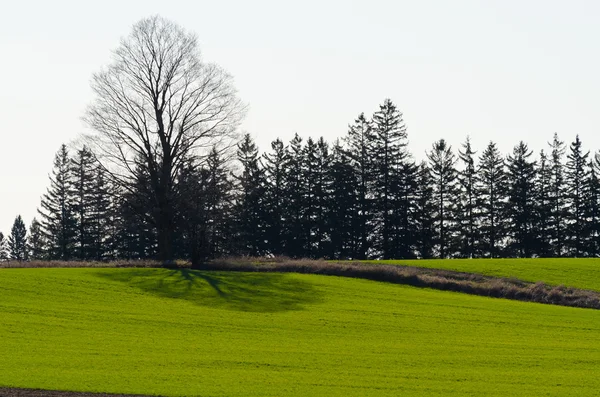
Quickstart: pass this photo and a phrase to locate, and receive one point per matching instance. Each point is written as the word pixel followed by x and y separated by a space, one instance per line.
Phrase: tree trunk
pixel 165 226
pixel 165 241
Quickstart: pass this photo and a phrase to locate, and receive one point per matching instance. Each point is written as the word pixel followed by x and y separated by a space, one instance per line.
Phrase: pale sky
pixel 495 70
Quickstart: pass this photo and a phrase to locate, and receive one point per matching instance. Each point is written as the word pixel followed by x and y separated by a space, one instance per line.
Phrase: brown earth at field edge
pixel 14 392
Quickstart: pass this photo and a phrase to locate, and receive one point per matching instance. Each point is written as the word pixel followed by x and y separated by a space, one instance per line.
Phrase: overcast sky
pixel 494 70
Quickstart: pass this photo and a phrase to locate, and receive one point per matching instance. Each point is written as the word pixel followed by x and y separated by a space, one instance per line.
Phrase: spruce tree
pixel 57 212
pixel 343 220
pixel 208 221
pixel 274 166
pixel 192 240
pixel 3 247
pixel 136 236
pixel 491 184
pixel 389 155
pixel 17 241
pixel 592 208
pixel 557 196
pixel 220 204
pixel 315 203
pixel 444 182
pixel 543 208
pixel 294 193
pixel 323 203
pixel 425 208
pixel 83 169
pixel 468 203
pixel 35 241
pixel 100 216
pixel 403 226
pixel 520 211
pixel 250 203
pixel 358 149
pixel 576 173
pixel 310 176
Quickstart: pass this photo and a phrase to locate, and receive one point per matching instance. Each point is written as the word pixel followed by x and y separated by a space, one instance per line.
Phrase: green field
pixel 573 272
pixel 180 332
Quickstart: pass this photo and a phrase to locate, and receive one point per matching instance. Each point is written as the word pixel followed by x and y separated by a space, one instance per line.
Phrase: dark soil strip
pixel 12 392
pixel 445 280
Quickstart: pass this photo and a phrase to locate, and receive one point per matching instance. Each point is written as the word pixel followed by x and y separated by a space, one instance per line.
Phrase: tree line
pixel 363 196
pixel 155 180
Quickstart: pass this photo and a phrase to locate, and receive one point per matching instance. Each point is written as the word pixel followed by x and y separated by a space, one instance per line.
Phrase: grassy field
pixel 182 332
pixel 579 273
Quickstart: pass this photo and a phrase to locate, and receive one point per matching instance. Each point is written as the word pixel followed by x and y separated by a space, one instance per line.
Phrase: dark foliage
pixel 443 181
pixel 17 241
pixel 520 211
pixel 363 197
pixel 58 223
pixel 3 247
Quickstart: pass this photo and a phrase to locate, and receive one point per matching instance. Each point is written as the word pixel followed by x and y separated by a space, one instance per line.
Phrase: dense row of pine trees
pixel 363 196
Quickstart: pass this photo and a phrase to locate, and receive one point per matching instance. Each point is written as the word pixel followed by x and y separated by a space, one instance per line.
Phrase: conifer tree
pixel 592 209
pixel 389 154
pixel 204 217
pixel 309 201
pixel 444 182
pixel 83 169
pixel 136 236
pixel 211 210
pixel 3 247
pixel 543 207
pixel 192 219
pixel 491 184
pixel 315 203
pixel 250 203
pixel 345 244
pixel 557 196
pixel 468 203
pixel 100 216
pixel 35 241
pixel 17 241
pixel 576 174
pixel 403 226
pixel 521 201
pixel 359 148
pixel 274 166
pixel 323 201
pixel 220 204
pixel 424 213
pixel 294 188
pixel 57 214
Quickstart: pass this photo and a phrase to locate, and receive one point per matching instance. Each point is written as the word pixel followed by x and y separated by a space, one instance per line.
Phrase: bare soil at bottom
pixel 12 392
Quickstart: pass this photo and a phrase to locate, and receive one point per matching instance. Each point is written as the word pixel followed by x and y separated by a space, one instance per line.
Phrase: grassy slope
pixel 580 273
pixel 216 334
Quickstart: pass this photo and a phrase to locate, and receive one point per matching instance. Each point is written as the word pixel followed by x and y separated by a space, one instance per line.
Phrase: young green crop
pixel 182 332
pixel 573 272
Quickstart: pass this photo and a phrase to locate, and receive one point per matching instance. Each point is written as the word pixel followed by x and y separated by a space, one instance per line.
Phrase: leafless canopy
pixel 158 102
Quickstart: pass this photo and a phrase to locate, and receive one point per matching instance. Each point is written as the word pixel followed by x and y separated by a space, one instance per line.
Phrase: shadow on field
pixel 446 280
pixel 250 292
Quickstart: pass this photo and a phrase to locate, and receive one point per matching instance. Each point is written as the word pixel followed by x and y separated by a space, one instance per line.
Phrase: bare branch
pixel 157 105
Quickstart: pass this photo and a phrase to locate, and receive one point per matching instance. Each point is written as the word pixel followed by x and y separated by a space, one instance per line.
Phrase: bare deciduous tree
pixel 157 104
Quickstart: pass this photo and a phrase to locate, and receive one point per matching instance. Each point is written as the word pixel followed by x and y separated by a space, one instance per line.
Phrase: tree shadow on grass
pixel 249 292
